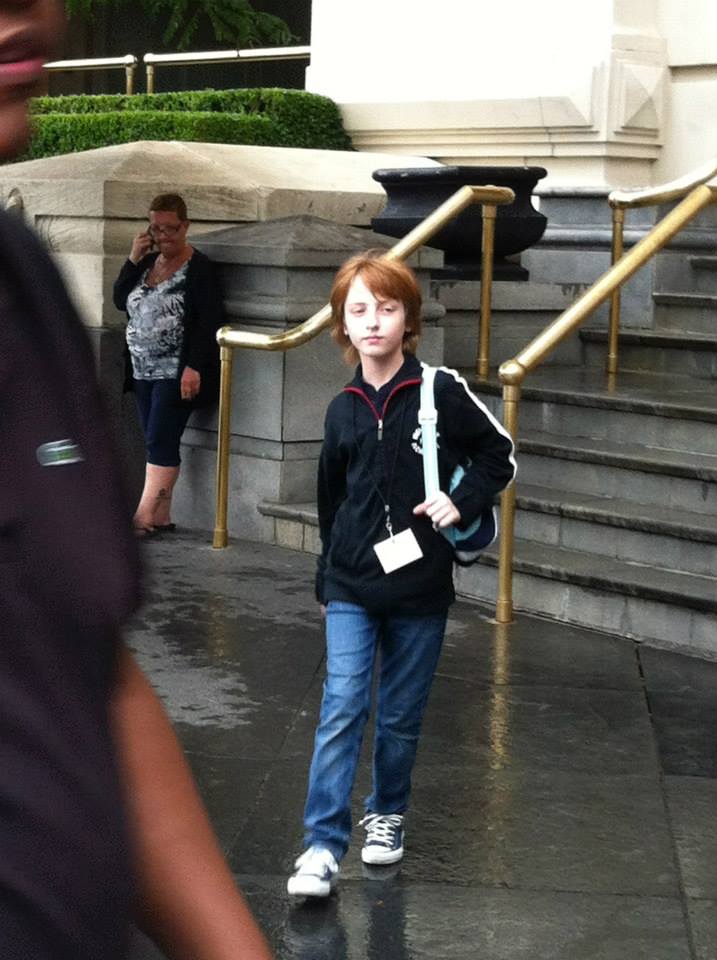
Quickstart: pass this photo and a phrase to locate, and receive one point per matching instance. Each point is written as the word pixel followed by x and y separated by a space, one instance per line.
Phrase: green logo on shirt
pixel 57 453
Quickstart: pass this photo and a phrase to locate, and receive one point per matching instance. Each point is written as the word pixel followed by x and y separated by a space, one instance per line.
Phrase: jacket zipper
pixel 380 417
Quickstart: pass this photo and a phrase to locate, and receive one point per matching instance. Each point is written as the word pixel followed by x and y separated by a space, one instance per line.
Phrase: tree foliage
pixel 233 22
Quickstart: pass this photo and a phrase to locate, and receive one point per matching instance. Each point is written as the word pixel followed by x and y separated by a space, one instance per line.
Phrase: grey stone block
pixel 289 534
pixel 605 480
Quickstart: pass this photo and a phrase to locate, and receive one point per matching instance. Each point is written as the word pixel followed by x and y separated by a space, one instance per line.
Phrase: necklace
pixel 162 271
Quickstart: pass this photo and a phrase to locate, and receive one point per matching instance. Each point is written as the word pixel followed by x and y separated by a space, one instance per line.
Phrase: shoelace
pixel 323 857
pixel 380 829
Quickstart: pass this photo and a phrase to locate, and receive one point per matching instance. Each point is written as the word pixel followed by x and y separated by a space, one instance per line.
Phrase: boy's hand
pixel 440 510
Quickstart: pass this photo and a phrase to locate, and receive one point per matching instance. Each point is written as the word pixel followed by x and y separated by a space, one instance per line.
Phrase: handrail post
pixel 129 79
pixel 618 224
pixel 150 77
pixel 489 212
pixel 221 538
pixel 504 601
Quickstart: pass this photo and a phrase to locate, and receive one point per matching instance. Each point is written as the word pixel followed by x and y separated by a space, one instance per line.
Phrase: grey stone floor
pixel 564 796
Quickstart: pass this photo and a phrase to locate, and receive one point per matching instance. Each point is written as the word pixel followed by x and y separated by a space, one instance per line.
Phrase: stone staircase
pixel 616 525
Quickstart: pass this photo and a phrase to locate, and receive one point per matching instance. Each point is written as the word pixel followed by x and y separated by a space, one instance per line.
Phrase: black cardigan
pixel 203 315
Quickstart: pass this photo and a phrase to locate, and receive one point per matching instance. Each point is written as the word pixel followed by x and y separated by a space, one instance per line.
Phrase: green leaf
pixel 234 22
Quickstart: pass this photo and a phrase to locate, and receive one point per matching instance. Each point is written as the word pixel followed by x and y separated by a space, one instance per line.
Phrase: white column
pixel 576 87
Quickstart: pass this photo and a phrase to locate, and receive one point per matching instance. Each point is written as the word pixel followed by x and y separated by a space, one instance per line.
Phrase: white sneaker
pixel 384 838
pixel 316 874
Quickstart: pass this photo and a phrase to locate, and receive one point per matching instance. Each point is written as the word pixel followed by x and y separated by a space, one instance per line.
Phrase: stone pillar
pixel 275 275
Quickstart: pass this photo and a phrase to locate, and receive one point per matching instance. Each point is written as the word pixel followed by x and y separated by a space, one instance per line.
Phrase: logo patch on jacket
pixel 417 441
pixel 58 453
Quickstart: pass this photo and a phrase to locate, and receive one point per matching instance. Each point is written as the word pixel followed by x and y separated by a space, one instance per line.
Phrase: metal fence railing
pixel 151 61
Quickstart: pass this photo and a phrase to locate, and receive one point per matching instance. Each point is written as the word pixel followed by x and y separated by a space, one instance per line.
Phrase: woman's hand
pixel 141 245
pixel 440 510
pixel 190 383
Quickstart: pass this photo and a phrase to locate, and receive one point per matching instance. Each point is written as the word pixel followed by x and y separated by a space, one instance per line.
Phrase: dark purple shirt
pixel 68 578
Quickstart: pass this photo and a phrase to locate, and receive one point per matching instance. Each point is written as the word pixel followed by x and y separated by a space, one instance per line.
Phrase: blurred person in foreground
pixel 100 822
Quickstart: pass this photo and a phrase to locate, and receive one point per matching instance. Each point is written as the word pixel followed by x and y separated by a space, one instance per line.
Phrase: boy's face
pixel 29 30
pixel 374 325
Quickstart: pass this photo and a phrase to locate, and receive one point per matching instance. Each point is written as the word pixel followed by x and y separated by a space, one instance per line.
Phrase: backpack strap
pixel 427 417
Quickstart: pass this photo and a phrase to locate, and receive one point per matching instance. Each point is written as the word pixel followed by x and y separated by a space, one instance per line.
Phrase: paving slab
pixel 544 823
pixel 692 802
pixel 703 921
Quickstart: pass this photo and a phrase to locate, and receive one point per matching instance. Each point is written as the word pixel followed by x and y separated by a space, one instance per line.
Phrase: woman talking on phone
pixel 171 295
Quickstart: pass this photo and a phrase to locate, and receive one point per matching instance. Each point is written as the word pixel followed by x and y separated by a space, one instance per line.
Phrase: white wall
pixel 388 51
pixel 601 92
pixel 690 136
pixel 690 27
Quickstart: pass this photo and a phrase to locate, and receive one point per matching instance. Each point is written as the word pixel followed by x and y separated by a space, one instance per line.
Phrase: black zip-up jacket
pixel 203 315
pixel 367 450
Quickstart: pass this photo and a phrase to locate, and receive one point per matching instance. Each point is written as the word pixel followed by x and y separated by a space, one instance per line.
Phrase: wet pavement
pixel 564 796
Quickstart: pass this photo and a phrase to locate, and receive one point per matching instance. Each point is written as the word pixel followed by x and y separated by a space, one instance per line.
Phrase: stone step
pixel 697 311
pixel 296 525
pixel 662 608
pixel 661 411
pixel 627 471
pixel 664 351
pixel 704 263
pixel 673 539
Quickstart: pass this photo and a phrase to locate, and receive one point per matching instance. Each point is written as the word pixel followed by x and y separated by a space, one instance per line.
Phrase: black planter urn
pixel 414 192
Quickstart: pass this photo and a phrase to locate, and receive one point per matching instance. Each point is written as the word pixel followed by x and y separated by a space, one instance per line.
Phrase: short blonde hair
pixel 384 278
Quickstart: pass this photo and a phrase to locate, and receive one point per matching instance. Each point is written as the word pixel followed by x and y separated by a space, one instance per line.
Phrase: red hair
pixel 390 279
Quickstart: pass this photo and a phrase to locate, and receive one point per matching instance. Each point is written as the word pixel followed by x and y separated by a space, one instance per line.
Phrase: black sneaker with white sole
pixel 384 838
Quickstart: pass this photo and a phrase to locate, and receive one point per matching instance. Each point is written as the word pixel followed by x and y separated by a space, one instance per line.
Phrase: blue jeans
pixel 410 648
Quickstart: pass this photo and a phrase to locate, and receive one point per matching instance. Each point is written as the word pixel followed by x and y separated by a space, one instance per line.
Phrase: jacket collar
pixel 410 369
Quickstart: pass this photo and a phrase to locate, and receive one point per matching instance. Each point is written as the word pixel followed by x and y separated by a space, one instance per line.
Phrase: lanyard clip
pixel 389 526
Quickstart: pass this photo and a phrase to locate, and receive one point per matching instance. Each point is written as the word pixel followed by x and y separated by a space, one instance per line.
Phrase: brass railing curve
pixel 622 200
pixel 230 338
pixel 513 372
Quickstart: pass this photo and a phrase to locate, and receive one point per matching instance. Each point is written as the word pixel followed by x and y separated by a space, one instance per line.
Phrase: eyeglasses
pixel 167 231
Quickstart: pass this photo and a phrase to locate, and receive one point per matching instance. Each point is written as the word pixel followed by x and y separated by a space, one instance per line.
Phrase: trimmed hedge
pixel 268 117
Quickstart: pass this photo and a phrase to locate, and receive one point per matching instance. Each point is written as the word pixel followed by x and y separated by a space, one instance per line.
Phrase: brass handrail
pixel 250 55
pixel 229 338
pixel 127 63
pixel 622 200
pixel 513 372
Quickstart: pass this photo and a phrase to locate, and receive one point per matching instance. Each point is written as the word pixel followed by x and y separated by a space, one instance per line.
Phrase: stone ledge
pixel 615 576
pixel 623 514
pixel 673 463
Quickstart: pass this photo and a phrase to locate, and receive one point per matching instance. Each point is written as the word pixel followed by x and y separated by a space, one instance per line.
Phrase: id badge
pixel 398 551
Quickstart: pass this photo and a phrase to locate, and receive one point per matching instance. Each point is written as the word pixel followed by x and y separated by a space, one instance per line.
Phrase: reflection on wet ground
pixel 564 797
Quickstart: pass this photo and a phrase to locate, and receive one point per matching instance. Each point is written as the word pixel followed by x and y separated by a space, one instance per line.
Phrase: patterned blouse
pixel 155 331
